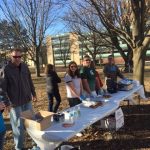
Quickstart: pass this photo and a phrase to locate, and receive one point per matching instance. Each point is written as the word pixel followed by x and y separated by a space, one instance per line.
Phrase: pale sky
pixel 58 27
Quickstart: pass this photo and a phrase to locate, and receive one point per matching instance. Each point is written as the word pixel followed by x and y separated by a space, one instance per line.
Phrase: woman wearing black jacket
pixel 52 81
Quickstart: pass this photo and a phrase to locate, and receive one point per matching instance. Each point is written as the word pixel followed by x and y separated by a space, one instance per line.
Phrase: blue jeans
pixel 2 135
pixel 17 124
pixel 51 96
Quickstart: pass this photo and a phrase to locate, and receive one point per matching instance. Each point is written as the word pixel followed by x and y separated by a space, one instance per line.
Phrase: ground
pixel 134 135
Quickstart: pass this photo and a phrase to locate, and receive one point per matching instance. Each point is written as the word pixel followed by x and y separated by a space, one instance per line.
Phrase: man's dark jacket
pixel 18 84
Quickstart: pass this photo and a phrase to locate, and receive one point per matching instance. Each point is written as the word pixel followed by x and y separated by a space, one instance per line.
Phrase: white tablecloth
pixel 56 134
pixel 128 95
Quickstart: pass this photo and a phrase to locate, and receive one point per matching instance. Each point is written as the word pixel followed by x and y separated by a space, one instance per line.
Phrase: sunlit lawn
pixel 134 135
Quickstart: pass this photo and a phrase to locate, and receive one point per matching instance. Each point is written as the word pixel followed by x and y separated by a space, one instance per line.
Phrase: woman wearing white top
pixel 73 84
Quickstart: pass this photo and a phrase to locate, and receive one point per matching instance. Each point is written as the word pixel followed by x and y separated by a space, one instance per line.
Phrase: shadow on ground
pixel 134 135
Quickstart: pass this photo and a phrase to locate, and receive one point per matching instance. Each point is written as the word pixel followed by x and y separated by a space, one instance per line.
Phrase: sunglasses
pixel 16 57
pixel 73 66
pixel 87 60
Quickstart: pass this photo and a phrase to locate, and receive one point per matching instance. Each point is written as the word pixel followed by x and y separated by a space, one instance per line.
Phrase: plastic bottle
pixel 71 118
pixel 67 115
pixel 75 112
pixel 78 111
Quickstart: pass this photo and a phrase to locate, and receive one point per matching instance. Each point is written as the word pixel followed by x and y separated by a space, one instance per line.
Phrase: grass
pixel 134 135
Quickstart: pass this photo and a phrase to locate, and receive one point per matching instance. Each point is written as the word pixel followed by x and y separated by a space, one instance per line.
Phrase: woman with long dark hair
pixel 73 84
pixel 52 81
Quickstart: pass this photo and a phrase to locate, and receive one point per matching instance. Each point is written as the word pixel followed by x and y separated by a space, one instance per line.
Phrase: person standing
pixel 52 81
pixel 88 76
pixel 111 72
pixel 98 84
pixel 20 90
pixel 73 84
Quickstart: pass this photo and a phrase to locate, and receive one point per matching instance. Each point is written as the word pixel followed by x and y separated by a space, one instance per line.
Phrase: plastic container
pixel 78 111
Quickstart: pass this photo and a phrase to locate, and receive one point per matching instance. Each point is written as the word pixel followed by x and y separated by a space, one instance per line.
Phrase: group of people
pixel 17 89
pixel 80 82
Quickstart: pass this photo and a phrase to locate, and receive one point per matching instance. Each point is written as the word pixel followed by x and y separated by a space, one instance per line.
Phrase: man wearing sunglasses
pixel 20 91
pixel 88 76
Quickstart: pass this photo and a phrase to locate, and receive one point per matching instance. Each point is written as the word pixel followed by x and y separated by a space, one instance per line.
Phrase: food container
pixel 125 85
pixel 38 121
pixel 88 103
pixel 58 117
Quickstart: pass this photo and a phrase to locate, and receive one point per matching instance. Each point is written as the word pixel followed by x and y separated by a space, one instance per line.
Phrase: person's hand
pixel 105 91
pixel 82 97
pixel 7 109
pixel 101 91
pixel 2 106
pixel 93 94
pixel 34 99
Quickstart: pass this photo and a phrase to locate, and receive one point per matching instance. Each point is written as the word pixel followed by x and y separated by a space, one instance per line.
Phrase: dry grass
pixel 134 135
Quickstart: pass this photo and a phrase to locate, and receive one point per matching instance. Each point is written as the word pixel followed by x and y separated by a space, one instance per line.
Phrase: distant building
pixel 73 45
pixel 63 46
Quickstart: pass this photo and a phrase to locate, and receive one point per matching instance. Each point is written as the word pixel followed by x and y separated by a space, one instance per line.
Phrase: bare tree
pixel 36 16
pixel 83 22
pixel 126 20
pixel 63 50
pixel 82 18
pixel 137 13
pixel 8 38
pixel 93 44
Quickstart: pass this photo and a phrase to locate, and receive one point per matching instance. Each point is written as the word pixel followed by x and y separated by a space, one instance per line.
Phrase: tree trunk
pixel 129 63
pixel 116 43
pixel 37 63
pixel 139 63
pixel 94 59
pixel 65 63
pixel 64 56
